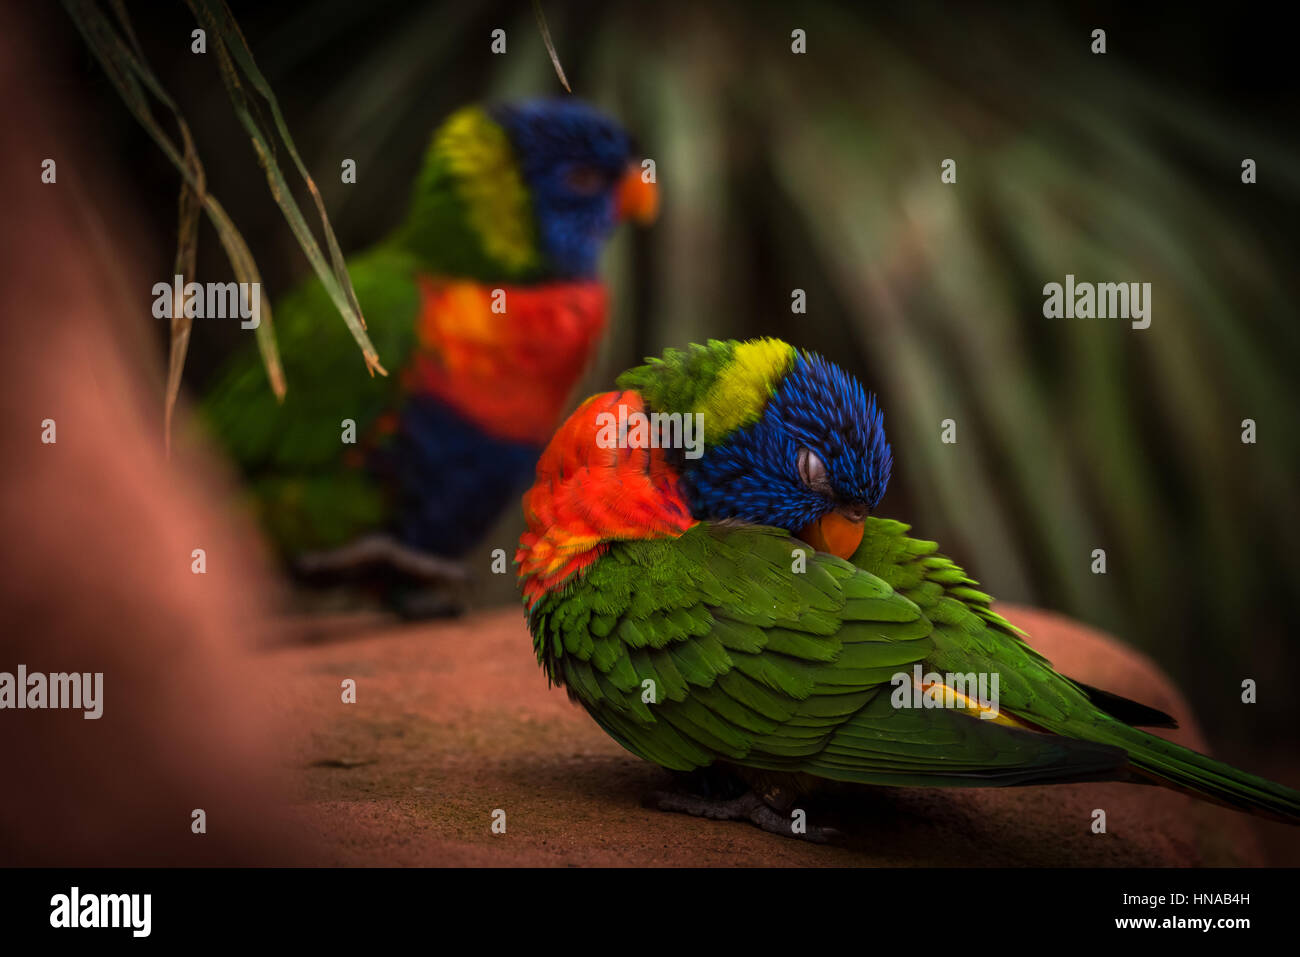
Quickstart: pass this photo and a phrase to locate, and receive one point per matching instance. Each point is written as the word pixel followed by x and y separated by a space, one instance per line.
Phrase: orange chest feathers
pixel 506 357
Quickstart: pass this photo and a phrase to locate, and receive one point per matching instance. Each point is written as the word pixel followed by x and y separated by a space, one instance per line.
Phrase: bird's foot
pixel 748 807
pixel 363 555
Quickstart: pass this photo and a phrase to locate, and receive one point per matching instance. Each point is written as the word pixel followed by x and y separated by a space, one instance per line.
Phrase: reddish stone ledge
pixel 455 720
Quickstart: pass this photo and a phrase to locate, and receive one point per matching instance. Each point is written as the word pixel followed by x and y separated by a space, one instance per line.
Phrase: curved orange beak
pixel 637 199
pixel 834 533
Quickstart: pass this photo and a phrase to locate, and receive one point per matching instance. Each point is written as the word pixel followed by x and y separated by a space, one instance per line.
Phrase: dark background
pixel 821 172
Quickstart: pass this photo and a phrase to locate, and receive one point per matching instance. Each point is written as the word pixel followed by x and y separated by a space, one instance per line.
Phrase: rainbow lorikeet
pixel 484 305
pixel 733 606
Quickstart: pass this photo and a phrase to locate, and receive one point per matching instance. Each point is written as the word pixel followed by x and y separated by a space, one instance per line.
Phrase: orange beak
pixel 637 199
pixel 835 534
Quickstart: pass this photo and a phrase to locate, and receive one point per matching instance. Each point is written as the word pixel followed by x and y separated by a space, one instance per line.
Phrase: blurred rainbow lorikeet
pixel 735 608
pixel 484 305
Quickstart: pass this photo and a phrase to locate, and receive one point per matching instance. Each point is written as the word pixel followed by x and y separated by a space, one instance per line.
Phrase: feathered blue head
pixel 575 161
pixel 789 438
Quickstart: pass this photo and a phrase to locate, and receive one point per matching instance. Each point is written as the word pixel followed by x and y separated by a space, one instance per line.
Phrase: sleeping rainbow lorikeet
pixel 734 607
pixel 484 305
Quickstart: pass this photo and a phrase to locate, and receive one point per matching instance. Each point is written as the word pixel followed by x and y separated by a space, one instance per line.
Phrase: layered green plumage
pixel 759 666
pixel 777 670
pixel 970 636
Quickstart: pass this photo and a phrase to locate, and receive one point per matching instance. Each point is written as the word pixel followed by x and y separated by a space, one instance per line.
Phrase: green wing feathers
pixel 714 647
pixel 751 662
pixel 969 636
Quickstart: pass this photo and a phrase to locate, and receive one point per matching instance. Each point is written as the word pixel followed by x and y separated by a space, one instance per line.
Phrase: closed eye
pixel 585 180
pixel 812 471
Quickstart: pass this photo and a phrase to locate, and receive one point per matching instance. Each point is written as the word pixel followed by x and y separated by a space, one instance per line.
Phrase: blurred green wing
pixel 292 453
pixel 326 375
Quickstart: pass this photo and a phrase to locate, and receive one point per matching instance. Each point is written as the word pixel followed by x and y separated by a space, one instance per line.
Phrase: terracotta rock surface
pixel 455 720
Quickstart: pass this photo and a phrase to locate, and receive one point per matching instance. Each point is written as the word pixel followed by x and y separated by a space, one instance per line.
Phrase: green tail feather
pixel 1203 776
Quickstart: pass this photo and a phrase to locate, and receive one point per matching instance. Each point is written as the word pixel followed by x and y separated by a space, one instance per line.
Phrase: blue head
pixel 790 440
pixel 576 163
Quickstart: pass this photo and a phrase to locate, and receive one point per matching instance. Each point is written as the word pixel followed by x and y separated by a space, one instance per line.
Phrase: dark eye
pixel 585 180
pixel 812 471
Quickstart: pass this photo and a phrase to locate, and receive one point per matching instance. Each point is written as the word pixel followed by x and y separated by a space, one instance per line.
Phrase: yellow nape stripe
pixel 741 390
pixel 480 158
